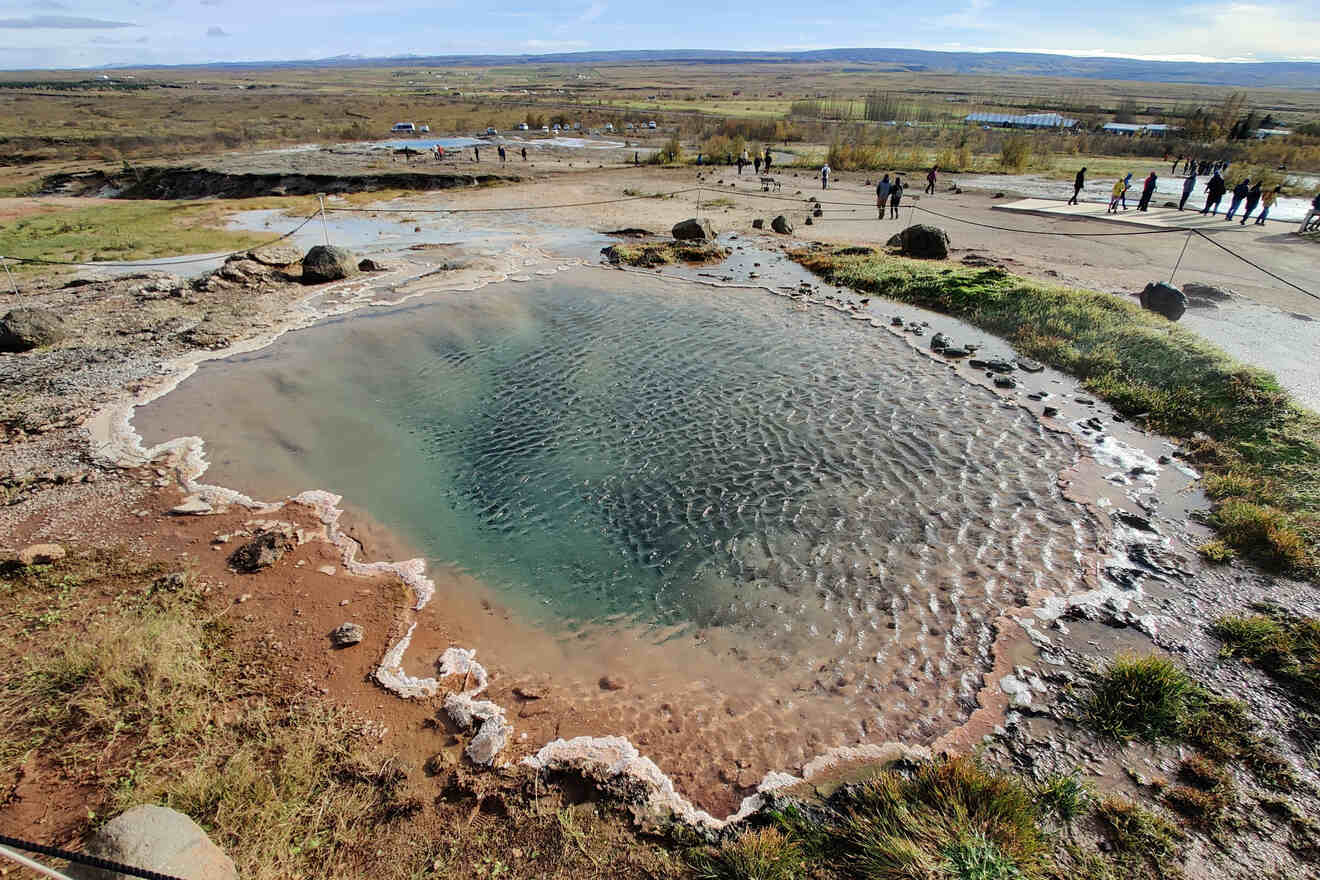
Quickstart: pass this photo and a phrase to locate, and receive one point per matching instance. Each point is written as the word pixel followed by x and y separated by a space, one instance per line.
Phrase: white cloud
pixel 592 12
pixel 61 22
pixel 216 32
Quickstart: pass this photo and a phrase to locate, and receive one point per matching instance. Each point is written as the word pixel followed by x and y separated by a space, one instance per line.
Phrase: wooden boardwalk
pixel 1158 218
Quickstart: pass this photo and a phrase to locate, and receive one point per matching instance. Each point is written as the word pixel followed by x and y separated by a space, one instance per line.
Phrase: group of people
pixel 1245 194
pixel 889 192
pixel 1197 167
pixel 756 161
pixel 1118 195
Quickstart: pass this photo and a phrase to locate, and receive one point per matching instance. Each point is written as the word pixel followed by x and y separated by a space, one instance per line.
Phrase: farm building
pixel 1030 120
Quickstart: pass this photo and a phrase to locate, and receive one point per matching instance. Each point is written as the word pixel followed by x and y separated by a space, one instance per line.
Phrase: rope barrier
pixel 667 195
pixel 82 859
pixel 1256 266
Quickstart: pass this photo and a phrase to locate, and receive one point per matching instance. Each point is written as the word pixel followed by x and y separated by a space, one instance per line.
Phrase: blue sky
pixel 87 33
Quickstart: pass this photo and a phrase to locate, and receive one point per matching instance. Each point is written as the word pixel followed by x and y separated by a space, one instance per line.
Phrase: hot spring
pixel 800 506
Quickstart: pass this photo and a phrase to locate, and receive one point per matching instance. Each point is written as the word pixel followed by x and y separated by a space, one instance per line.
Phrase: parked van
pixel 403 128
pixel 650 124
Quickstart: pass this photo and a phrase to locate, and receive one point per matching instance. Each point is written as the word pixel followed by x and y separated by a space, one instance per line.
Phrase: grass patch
pixel 128 231
pixel 763 854
pixel 1066 795
pixel 1141 838
pixel 1151 698
pixel 1259 450
pixel 664 253
pixel 946 818
pixel 1287 648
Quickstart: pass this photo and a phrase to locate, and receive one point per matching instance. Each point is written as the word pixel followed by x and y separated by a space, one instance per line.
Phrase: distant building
pixel 1131 128
pixel 1263 133
pixel 1029 120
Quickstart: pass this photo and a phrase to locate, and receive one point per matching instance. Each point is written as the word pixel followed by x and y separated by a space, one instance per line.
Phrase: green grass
pixel 1141 838
pixel 1259 450
pixel 1066 795
pixel 651 254
pixel 1287 648
pixel 762 854
pixel 946 818
pixel 127 231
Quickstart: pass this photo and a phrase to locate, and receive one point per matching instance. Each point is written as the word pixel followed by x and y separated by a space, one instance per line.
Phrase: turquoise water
pixel 608 447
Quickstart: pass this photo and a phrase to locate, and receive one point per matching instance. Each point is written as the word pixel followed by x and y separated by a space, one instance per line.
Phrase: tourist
pixel 1078 183
pixel 741 163
pixel 1117 193
pixel 476 154
pixel 1253 199
pixel 1267 202
pixel 895 196
pixel 767 160
pixel 1147 190
pixel 757 163
pixel 1189 184
pixel 637 158
pixel 825 176
pixel 1239 193
pixel 1127 185
pixel 1174 169
pixel 524 154
pixel 1313 214
pixel 930 180
pixel 503 155
pixel 1214 191
pixel 882 195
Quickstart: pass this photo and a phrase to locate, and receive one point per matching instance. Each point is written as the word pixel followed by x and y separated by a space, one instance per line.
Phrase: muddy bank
pixel 200 183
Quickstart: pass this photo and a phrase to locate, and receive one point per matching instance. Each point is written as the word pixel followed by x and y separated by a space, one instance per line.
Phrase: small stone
pixel 1005 382
pixel 346 635
pixel 529 692
pixel 246 597
pixel 1050 412
pixel 193 505
pixel 343 603
pixel 41 554
pixel 327 569
pixel 612 683
pixel 261 552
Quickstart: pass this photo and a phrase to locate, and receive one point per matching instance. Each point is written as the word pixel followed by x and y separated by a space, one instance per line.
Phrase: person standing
pixel 767 160
pixel 895 196
pixel 1127 185
pixel 882 195
pixel 1147 190
pixel 503 155
pixel 930 180
pixel 1174 169
pixel 476 154
pixel 1267 202
pixel 1115 195
pixel 1239 193
pixel 757 163
pixel 524 154
pixel 1214 191
pixel 741 163
pixel 1078 183
pixel 1312 214
pixel 1253 199
pixel 825 176
pixel 1189 184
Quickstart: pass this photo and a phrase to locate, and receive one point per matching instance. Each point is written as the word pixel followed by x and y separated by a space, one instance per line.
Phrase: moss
pixel 1287 648
pixel 1259 450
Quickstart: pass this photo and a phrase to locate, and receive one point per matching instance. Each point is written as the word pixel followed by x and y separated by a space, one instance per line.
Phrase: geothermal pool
pixel 613 455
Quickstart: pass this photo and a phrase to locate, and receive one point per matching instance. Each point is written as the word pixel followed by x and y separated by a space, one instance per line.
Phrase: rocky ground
pixel 88 342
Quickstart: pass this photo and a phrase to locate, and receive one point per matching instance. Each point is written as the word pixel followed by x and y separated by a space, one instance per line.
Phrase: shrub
pixel 1142 697
pixel 1015 154
pixel 1066 795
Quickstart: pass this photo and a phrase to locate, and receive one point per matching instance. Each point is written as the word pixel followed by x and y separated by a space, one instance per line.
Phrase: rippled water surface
pixel 599 447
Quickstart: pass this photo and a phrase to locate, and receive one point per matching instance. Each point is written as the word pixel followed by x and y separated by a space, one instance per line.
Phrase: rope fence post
pixel 325 230
pixel 10 274
pixel 1186 242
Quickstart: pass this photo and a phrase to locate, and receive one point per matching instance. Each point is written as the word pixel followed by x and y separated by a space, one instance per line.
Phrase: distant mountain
pixel 1277 74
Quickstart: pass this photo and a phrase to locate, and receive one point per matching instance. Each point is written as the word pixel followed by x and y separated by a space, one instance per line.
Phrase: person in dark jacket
pixel 895 196
pixel 930 180
pixel 1189 184
pixel 1239 193
pixel 1078 184
pixel 882 195
pixel 1253 199
pixel 1147 191
pixel 1214 191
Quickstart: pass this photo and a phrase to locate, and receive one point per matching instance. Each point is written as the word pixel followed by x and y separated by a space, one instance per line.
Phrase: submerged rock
pixel 26 328
pixel 939 342
pixel 324 264
pixel 1164 299
pixel 694 229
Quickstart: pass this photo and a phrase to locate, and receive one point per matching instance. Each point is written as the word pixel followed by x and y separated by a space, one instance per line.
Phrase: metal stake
pixel 324 229
pixel 10 274
pixel 1186 242
pixel 698 201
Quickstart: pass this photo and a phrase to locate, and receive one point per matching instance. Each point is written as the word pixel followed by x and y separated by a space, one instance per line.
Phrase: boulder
pixel 781 225
pixel 276 255
pixel 156 839
pixel 895 240
pixel 758 223
pixel 370 265
pixel 694 229
pixel 26 328
pixel 1164 299
pixel 955 351
pixel 41 554
pixel 939 342
pixel 346 635
pixel 328 264
pixel 261 552
pixel 1030 366
pixel 924 242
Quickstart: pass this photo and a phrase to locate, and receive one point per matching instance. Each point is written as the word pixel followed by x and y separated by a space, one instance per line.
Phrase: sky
pixel 92 33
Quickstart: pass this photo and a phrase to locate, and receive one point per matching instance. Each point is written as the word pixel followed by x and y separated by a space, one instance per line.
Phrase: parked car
pixel 424 129
pixel 651 124
pixel 492 130
pixel 522 126
pixel 403 128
